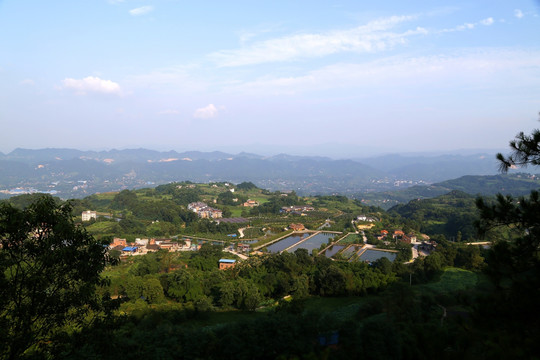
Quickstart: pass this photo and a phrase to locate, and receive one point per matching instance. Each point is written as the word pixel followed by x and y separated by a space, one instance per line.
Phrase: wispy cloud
pixel 141 10
pixel 487 22
pixel 469 26
pixel 373 37
pixel 518 13
pixel 91 84
pixel 206 112
pixel 480 68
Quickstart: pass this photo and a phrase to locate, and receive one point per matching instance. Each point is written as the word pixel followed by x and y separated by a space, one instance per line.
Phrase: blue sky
pixel 341 78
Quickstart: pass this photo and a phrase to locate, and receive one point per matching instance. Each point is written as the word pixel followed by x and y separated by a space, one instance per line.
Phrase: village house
pixel 130 250
pixel 250 203
pixel 297 227
pixel 196 206
pixel 117 248
pixel 204 211
pixel 226 264
pixel 384 234
pixel 405 239
pixel 243 248
pixel 141 242
pixel 427 246
pixel 88 215
pixel 152 247
pixel 366 218
pixel 166 244
pixel 118 242
pixel 296 209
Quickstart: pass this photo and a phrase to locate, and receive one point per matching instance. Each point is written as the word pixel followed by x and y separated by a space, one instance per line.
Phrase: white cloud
pixel 480 68
pixel 92 84
pixel 373 37
pixel 487 22
pixel 469 26
pixel 141 10
pixel 518 13
pixel 207 112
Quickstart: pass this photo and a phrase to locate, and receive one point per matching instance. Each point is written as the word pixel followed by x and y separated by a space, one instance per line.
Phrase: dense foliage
pixel 452 215
pixel 49 272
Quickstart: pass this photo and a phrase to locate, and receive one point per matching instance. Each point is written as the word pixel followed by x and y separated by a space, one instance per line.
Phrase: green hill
pixel 452 214
pixel 512 184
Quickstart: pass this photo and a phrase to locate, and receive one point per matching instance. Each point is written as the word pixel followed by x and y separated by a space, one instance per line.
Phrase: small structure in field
pixel 226 263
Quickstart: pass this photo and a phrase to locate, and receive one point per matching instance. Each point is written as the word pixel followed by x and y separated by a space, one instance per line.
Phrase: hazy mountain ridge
pixel 63 169
pixel 434 168
pixel 512 184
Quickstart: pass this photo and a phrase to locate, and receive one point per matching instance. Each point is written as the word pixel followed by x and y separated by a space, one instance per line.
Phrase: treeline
pixel 452 215
pixel 276 202
pixel 195 282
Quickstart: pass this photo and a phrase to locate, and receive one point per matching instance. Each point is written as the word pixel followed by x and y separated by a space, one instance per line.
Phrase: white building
pixel 88 215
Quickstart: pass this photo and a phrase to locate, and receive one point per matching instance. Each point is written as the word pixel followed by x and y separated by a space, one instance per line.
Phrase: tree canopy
pixel 514 264
pixel 49 272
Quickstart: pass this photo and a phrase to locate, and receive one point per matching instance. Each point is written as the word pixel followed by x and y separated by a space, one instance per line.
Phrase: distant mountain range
pixel 510 184
pixel 76 173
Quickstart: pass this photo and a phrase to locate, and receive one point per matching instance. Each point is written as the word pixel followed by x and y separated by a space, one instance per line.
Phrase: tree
pixel 525 151
pixel 124 199
pixel 246 186
pixel 49 272
pixel 514 265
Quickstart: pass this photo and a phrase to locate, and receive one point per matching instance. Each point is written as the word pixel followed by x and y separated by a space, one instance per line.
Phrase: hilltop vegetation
pixel 514 184
pixel 452 215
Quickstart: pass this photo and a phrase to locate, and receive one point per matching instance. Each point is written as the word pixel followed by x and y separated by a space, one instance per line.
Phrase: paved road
pixel 241 256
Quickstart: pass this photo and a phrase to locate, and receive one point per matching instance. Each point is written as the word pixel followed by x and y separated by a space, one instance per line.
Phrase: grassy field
pixel 452 279
pixel 101 227
pixel 270 238
pixel 350 239
pixel 236 211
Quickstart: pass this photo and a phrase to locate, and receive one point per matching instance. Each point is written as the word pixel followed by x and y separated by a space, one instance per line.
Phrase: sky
pixel 341 78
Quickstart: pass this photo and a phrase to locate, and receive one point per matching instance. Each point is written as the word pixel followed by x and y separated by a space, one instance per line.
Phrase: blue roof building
pixel 226 263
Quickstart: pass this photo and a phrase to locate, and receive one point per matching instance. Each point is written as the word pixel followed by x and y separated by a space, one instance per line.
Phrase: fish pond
pixel 313 242
pixel 286 242
pixel 371 255
pixel 350 252
pixel 332 250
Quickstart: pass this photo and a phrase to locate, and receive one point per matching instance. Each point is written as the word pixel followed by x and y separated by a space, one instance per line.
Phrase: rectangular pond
pixel 374 255
pixel 333 250
pixel 314 242
pixel 350 251
pixel 286 242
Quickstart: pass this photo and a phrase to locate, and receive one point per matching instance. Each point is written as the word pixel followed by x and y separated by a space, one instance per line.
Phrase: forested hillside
pixel 511 184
